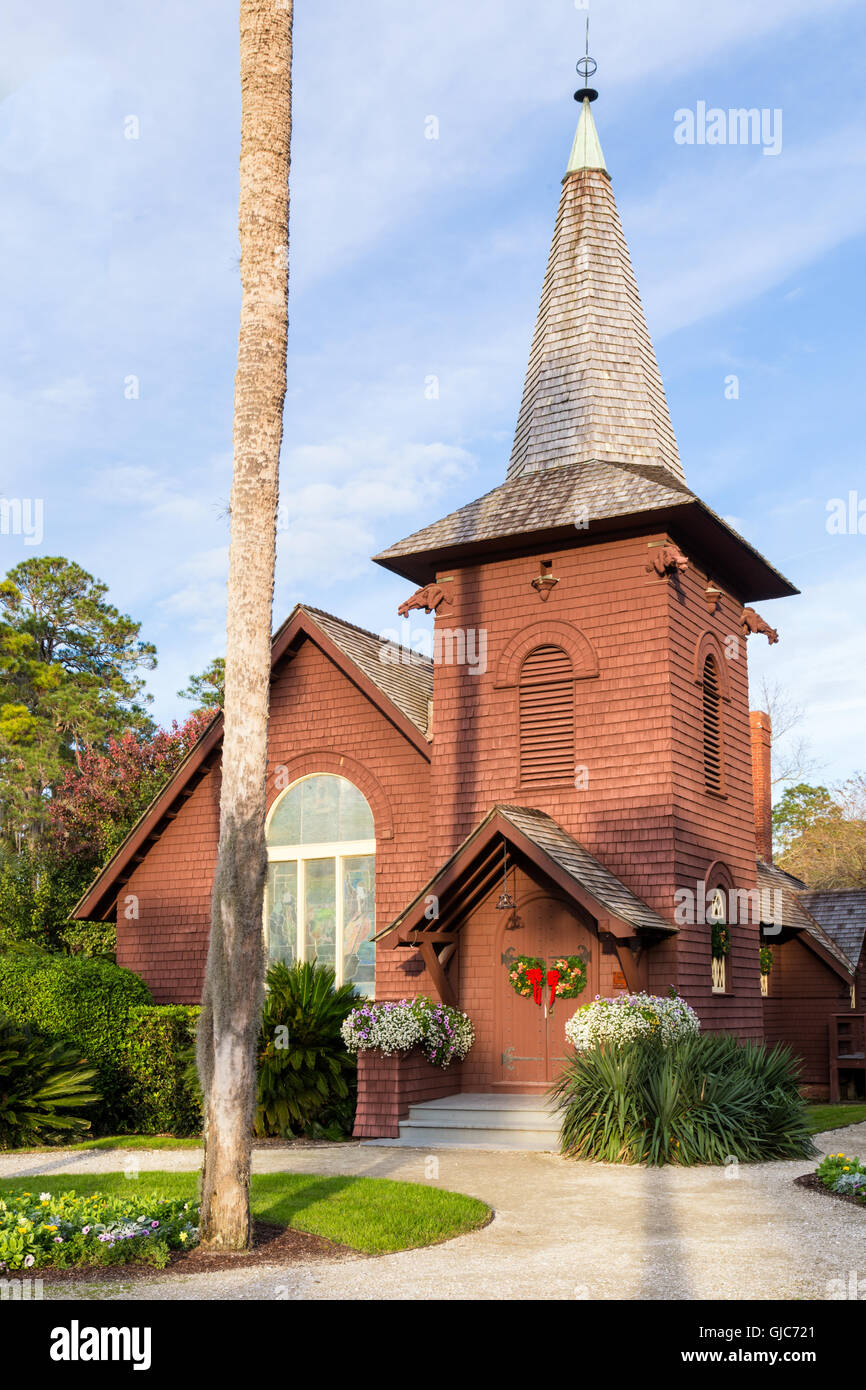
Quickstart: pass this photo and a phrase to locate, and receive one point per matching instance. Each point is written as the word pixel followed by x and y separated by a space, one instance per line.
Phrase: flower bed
pixel 631 1016
pixel 63 1229
pixel 846 1177
pixel 443 1034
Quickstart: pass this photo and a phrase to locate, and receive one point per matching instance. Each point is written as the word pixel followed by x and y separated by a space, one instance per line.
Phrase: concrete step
pixel 489 1118
pixel 429 1137
pixel 480 1121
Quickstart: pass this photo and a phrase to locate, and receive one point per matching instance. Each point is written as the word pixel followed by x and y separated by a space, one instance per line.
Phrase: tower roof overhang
pixel 582 503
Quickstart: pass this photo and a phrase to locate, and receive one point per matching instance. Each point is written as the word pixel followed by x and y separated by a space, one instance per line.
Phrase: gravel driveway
pixel 562 1230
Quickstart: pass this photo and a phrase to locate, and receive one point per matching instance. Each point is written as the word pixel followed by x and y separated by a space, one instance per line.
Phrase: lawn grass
pixel 119 1141
pixel 823 1117
pixel 373 1215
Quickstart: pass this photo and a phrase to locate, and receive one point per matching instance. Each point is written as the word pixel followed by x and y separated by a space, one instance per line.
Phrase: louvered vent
pixel 546 718
pixel 712 728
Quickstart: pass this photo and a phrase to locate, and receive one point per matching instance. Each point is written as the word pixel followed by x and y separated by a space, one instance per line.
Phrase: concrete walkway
pixel 562 1230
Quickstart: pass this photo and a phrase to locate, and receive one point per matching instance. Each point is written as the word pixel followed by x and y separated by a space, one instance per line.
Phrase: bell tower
pixel 592 611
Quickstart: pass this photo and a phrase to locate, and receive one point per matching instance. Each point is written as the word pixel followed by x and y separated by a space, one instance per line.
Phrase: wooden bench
pixel 847 1047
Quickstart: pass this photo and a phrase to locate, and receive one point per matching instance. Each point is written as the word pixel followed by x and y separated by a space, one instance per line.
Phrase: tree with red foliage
pixel 96 805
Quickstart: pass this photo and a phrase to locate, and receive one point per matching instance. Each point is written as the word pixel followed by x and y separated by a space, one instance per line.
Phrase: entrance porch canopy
pixel 520 835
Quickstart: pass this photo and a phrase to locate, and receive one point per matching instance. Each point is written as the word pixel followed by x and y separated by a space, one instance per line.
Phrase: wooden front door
pixel 531 1038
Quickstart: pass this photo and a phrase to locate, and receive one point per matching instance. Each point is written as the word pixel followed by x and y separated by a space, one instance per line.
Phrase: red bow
pixel 535 976
pixel 553 981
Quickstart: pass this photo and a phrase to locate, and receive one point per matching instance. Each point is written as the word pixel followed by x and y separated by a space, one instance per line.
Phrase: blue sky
pixel 413 257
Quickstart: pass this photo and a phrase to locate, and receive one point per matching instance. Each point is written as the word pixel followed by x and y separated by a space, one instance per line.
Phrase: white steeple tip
pixel 586 150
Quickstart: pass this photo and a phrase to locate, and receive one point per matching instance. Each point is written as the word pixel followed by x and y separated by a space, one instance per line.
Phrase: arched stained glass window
pixel 320 901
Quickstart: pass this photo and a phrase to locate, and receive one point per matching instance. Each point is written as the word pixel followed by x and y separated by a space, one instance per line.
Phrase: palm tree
pixel 231 1004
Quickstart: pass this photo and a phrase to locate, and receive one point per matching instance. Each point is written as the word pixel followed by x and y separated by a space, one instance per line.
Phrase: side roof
pixel 401 687
pixel 796 917
pixel 842 914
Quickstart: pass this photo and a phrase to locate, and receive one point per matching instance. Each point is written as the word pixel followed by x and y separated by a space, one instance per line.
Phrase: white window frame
pixel 300 855
pixel 719 975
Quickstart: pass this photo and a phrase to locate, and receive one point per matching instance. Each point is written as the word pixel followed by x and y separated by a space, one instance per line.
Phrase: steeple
pixel 593 388
pixel 594 451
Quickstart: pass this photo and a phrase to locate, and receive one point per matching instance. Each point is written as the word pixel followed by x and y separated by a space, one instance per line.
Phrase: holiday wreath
pixel 566 977
pixel 572 976
pixel 526 974
pixel 721 936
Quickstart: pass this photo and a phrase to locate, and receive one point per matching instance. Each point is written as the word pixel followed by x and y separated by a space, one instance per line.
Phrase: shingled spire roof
pixel 594 446
pixel 593 389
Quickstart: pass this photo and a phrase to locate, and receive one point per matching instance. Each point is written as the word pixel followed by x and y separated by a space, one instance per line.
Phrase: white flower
pixel 45 1196
pixel 631 1016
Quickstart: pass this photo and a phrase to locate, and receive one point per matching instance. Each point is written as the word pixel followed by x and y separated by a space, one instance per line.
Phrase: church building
pixel 569 777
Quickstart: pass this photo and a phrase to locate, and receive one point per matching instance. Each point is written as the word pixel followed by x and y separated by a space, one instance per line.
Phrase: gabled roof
pixel 400 688
pixel 584 868
pixel 842 915
pixel 404 676
pixel 475 868
pixel 796 917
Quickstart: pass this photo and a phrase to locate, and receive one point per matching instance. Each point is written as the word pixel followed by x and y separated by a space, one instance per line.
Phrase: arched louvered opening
pixel 712 718
pixel 546 718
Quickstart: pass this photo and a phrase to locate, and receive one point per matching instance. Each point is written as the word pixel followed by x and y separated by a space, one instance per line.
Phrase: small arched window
pixel 712 727
pixel 546 718
pixel 720 937
pixel 321 900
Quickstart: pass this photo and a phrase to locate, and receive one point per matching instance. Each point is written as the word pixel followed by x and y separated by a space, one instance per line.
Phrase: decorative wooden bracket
pixel 629 952
pixel 441 983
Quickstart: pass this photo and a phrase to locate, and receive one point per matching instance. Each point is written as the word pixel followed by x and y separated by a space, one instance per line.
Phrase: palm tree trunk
pixel 232 999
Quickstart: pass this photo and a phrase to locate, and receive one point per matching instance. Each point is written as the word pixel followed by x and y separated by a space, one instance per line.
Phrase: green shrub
pixel 37 893
pixel 41 1082
pixel 162 1095
pixel 307 1082
pixel 703 1099
pixel 89 939
pixel 81 1000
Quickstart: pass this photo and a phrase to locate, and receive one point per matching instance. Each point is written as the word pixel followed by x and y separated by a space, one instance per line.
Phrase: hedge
pixel 89 939
pixel 87 1001
pixel 159 1052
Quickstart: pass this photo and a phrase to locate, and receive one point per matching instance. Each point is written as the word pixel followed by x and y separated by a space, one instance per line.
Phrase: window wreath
pixel 766 959
pixel 721 940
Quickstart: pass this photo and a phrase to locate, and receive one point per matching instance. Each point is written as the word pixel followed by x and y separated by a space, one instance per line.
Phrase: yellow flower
pixel 50 1228
pixel 183 1235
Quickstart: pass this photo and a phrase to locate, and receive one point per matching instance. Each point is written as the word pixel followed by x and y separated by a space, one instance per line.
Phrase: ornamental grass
pixel 703 1098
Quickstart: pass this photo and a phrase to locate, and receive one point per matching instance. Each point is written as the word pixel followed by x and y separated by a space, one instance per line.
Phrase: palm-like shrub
pixel 41 1082
pixel 307 1080
pixel 702 1099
